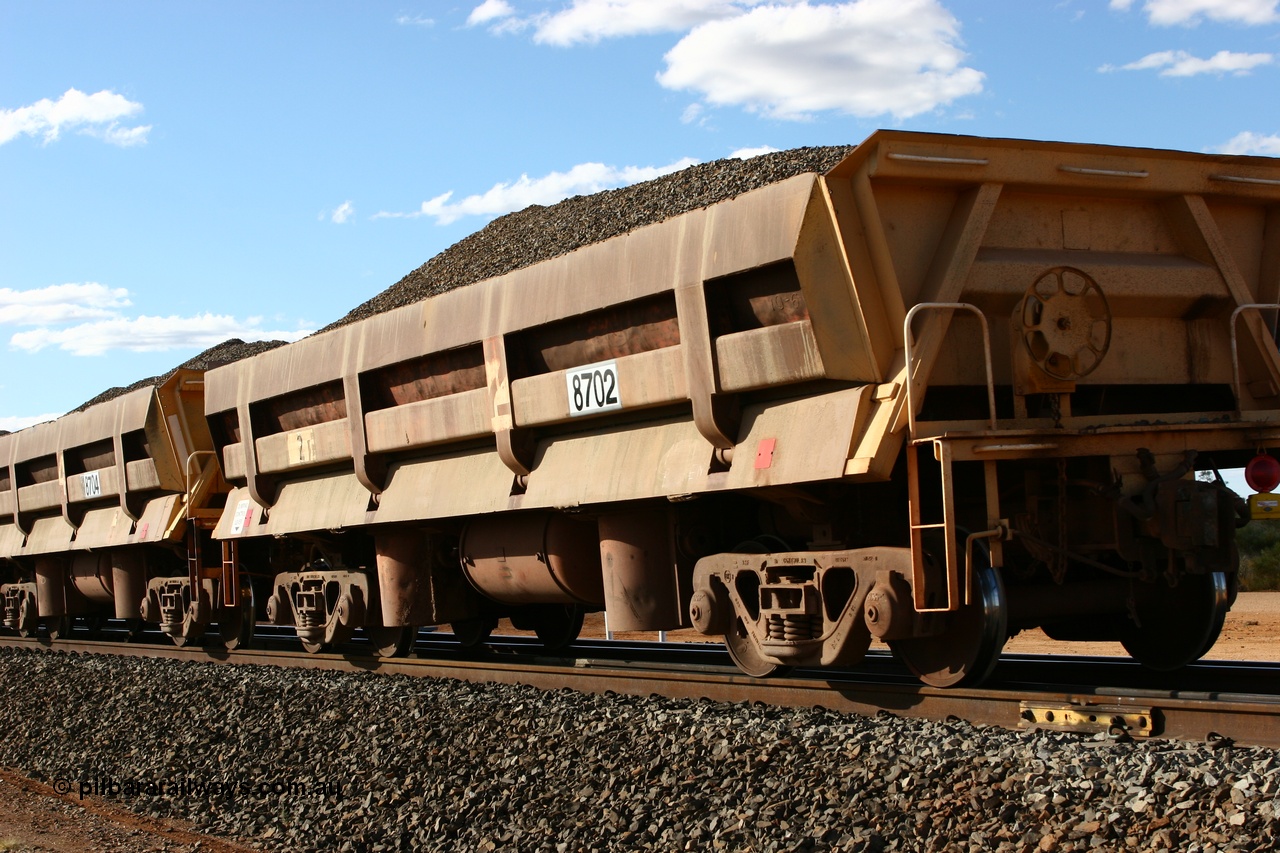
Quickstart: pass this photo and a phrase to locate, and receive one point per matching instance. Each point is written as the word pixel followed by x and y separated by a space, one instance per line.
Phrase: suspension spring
pixel 794 627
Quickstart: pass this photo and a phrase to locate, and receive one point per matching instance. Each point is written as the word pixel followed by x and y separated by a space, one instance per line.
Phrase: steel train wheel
pixel 236 624
pixel 60 628
pixel 746 654
pixel 1176 625
pixel 392 642
pixel 471 633
pixel 27 620
pixel 558 625
pixel 967 649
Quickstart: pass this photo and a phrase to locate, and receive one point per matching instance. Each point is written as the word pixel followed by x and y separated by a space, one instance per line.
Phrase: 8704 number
pixel 593 388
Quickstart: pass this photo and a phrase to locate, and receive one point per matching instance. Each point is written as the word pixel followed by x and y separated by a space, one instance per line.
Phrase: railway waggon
pixel 952 389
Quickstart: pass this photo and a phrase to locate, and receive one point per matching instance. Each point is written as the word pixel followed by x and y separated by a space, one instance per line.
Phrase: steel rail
pixel 1243 718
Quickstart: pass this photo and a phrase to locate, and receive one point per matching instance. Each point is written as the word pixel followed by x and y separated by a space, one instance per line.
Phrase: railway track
pixel 1217 702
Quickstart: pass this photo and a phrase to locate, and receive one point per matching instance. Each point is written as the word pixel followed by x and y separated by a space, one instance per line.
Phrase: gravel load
pixel 540 233
pixel 226 352
pixel 398 763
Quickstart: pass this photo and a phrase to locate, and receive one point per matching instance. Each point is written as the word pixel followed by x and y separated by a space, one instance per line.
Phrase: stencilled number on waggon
pixel 302 447
pixel 593 388
pixel 92 484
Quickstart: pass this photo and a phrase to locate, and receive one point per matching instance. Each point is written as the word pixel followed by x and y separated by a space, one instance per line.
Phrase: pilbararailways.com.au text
pixel 194 788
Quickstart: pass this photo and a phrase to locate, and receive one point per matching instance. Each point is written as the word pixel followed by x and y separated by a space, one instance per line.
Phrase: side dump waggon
pixel 106 512
pixel 952 389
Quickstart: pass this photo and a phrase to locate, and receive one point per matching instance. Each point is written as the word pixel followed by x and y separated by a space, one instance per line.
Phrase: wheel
pixel 473 632
pixel 312 648
pixel 60 628
pixel 236 624
pixel 392 642
pixel 746 654
pixel 557 626
pixel 27 621
pixel 1065 323
pixel 967 649
pixel 1176 625
pixel 193 629
pixel 133 629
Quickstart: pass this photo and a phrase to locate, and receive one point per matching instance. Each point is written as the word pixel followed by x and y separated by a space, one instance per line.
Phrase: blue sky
pixel 174 174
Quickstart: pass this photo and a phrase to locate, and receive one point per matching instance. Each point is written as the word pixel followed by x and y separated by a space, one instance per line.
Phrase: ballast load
pixel 952 389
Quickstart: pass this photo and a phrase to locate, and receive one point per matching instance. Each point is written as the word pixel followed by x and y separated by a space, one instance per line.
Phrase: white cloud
pixel 97 115
pixel 748 153
pixel 549 189
pixel 415 21
pixel 13 423
pixel 1179 63
pixel 1190 12
pixel 489 11
pixel 342 213
pixel 1253 143
pixel 146 334
pixel 865 58
pixel 786 59
pixel 592 20
pixel 100 325
pixel 60 303
pixel 692 113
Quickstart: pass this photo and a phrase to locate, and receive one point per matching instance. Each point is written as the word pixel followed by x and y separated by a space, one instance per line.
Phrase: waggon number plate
pixel 92 484
pixel 593 388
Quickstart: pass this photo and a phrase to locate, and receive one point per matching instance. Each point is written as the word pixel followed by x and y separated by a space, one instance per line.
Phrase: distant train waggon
pixel 952 389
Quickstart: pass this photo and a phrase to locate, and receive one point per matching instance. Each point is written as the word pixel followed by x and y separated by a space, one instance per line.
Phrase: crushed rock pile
pixel 539 233
pixel 395 763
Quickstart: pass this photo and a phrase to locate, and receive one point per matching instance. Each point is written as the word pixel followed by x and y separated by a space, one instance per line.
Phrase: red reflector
pixel 1262 473
pixel 764 452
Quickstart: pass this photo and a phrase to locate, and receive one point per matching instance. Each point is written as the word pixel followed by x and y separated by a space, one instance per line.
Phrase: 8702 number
pixel 593 388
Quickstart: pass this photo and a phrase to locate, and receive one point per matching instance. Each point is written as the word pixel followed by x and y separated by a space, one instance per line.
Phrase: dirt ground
pixel 34 818
pixel 1251 632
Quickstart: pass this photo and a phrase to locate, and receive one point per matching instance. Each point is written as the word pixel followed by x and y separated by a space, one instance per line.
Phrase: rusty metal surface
pixel 1249 720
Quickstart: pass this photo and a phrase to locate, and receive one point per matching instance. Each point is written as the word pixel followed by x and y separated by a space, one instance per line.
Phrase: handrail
pixel 190 497
pixel 909 343
pixel 1235 355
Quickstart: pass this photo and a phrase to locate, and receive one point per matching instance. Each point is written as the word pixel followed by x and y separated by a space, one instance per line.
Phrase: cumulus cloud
pixel 146 334
pixel 489 11
pixel 592 20
pixel 549 189
pixel 786 59
pixel 97 115
pixel 13 423
pixel 342 213
pixel 865 58
pixel 1190 12
pixel 748 153
pixel 85 319
pixel 60 303
pixel 1253 143
pixel 1179 63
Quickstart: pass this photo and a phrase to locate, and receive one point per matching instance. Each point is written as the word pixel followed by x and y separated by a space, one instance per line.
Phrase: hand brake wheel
pixel 1064 322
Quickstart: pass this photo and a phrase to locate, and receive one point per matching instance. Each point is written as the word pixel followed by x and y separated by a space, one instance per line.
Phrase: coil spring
pixel 794 627
pixel 310 606
pixel 173 607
